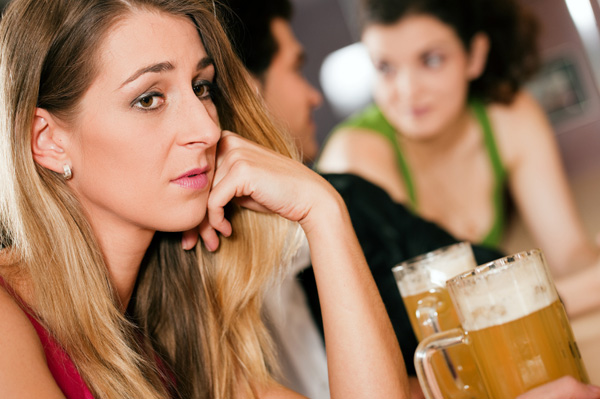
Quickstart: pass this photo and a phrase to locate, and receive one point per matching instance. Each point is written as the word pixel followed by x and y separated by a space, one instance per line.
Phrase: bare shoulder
pixel 23 369
pixel 519 126
pixel 524 107
pixel 352 150
pixel 15 326
pixel 364 153
pixel 361 152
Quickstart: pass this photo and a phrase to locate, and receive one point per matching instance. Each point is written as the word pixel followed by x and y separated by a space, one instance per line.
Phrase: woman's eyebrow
pixel 154 68
pixel 163 67
pixel 204 62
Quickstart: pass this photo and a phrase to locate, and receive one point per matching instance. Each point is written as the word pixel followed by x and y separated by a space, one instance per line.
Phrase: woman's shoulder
pixel 15 322
pixel 356 150
pixel 20 346
pixel 351 145
pixel 519 126
pixel 354 140
pixel 524 107
pixel 22 357
pixel 363 153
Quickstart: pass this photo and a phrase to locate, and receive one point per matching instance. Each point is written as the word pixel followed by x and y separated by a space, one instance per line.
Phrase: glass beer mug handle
pixel 427 316
pixel 425 350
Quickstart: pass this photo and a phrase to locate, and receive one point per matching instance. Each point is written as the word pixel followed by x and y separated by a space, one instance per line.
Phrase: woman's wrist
pixel 328 212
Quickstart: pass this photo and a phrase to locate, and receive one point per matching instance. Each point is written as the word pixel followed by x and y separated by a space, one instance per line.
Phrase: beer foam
pixel 498 296
pixel 432 270
pixel 414 283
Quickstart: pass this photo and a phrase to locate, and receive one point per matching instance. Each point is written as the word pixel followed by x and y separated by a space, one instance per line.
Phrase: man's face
pixel 287 93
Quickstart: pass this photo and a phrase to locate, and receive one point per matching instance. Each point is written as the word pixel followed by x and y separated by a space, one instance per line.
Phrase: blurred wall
pixel 578 133
pixel 321 26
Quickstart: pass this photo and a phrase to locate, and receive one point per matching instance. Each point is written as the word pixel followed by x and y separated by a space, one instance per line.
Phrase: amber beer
pixel 435 298
pixel 541 345
pixel 455 369
pixel 514 324
pixel 422 284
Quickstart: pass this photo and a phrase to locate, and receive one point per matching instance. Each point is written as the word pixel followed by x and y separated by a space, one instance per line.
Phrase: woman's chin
pixel 182 226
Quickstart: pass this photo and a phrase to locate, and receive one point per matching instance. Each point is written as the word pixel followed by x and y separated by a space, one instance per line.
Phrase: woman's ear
pixel 47 140
pixel 478 53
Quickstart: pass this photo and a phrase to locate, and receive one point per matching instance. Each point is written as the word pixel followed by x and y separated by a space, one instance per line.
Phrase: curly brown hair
pixel 511 28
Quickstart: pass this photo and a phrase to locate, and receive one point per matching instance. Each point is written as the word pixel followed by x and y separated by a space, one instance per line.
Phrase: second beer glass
pixel 422 284
pixel 514 324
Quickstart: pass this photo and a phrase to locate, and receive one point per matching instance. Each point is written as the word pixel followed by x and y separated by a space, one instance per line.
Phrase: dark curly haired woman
pixel 452 128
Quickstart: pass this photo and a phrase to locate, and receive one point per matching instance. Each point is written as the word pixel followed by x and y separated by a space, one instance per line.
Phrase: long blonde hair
pixel 193 329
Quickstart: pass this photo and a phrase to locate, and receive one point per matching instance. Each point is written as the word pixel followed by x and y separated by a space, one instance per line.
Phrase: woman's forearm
pixel 363 354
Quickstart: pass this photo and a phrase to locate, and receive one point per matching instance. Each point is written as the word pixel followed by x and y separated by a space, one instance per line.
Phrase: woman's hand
pixel 564 388
pixel 363 356
pixel 259 179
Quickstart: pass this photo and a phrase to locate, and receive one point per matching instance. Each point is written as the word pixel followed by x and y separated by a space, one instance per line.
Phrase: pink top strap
pixel 60 364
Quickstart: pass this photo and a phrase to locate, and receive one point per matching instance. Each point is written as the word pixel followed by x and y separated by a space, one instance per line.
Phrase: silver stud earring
pixel 67 172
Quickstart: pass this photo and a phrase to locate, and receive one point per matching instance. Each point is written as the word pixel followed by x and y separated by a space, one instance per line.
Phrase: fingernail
pixel 187 243
pixel 227 230
pixel 214 245
pixel 595 389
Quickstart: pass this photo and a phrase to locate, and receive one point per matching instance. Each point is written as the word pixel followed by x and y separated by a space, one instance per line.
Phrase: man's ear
pixel 478 53
pixel 47 140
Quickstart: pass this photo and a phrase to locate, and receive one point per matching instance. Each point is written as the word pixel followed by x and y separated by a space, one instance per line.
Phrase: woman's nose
pixel 406 83
pixel 199 123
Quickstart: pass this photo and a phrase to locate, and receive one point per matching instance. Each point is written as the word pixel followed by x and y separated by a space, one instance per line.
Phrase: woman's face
pixel 143 144
pixel 423 73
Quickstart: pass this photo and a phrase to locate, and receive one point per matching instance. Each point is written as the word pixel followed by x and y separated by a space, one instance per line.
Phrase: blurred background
pixel 567 86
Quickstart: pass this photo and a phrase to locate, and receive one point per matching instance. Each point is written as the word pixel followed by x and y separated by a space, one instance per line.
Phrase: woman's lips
pixel 195 179
pixel 417 112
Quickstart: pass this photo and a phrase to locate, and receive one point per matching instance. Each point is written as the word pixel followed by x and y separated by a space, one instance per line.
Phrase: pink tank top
pixel 60 364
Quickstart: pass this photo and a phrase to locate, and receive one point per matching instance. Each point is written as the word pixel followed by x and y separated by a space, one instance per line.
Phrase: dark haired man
pixel 263 39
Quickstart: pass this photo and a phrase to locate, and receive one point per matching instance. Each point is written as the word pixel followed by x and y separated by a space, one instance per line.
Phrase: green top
pixel 372 119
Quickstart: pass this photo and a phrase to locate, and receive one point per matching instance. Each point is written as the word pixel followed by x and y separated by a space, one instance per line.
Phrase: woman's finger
pixel 209 235
pixel 189 239
pixel 249 203
pixel 564 388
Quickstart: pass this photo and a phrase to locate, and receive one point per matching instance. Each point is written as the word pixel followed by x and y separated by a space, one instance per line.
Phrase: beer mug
pixel 422 285
pixel 514 325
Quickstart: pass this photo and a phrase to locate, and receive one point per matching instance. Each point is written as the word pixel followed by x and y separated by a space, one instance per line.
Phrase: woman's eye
pixel 385 69
pixel 433 60
pixel 203 89
pixel 149 101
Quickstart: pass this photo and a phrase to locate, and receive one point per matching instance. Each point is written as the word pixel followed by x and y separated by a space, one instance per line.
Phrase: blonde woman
pixel 111 112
